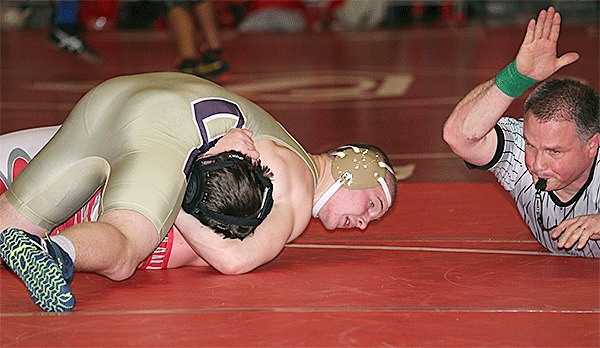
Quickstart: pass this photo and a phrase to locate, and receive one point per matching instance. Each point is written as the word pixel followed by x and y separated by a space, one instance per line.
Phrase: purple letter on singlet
pixel 204 109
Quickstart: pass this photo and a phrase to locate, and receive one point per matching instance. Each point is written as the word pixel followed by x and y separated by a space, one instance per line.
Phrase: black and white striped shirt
pixel 508 165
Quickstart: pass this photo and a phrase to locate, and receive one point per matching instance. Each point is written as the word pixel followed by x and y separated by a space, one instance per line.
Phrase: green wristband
pixel 512 83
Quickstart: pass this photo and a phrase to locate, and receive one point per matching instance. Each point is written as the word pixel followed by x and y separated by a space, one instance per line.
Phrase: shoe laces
pixel 70 42
pixel 43 245
pixel 59 255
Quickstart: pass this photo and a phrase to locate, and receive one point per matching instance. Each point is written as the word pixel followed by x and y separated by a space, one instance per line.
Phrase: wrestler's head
pixel 229 193
pixel 363 190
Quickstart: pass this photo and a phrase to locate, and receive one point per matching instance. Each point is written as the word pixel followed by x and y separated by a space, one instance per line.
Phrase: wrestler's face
pixel 554 151
pixel 353 208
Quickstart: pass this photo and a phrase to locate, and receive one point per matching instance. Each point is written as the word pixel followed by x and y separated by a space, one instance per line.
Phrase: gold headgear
pixel 355 168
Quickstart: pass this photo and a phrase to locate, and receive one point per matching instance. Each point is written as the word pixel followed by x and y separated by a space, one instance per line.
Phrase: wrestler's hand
pixel 537 55
pixel 236 139
pixel 577 230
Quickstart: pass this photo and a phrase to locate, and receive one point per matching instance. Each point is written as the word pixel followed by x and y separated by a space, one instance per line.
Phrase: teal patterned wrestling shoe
pixel 43 266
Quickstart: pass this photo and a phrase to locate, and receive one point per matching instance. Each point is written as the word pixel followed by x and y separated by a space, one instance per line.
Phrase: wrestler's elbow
pixel 241 263
pixel 233 265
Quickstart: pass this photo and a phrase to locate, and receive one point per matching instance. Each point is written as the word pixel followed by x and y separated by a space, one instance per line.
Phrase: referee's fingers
pixel 571 236
pixel 567 59
pixel 585 236
pixel 563 241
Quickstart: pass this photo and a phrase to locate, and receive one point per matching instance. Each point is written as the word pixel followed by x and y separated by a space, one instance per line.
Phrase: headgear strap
pixel 195 196
pixel 357 169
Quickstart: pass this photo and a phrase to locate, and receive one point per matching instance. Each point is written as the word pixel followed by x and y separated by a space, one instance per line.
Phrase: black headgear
pixel 193 201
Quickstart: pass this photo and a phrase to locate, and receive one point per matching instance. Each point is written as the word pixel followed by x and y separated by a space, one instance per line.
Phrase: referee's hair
pixel 566 100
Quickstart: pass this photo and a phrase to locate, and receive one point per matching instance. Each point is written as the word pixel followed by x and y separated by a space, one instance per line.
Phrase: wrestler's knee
pixel 120 272
pixel 124 266
pixel 136 239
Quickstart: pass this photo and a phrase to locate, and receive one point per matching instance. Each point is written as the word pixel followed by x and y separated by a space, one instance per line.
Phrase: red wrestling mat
pixel 419 277
pixel 449 215
pixel 451 264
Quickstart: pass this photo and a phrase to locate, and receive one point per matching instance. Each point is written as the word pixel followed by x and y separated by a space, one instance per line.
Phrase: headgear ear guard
pixel 195 196
pixel 355 168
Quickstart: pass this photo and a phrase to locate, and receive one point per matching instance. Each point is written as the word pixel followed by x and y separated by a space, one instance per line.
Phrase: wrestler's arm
pixel 469 128
pixel 234 256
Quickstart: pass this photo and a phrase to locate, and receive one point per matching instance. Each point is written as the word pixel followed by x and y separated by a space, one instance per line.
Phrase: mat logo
pixel 324 86
pixel 17 160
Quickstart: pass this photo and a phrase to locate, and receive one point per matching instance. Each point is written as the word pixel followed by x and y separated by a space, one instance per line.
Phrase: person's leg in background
pixel 205 15
pixel 66 31
pixel 206 63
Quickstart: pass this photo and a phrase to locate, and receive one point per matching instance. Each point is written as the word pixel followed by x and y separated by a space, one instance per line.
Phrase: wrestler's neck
pixel 325 179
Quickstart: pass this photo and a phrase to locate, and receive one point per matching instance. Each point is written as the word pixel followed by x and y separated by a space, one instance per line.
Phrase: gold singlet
pixel 136 134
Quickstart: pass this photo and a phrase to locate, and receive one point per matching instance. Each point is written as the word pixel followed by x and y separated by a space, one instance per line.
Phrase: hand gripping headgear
pixel 355 168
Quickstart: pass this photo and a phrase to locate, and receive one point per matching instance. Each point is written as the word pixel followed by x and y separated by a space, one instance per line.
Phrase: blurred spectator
pixel 357 15
pixel 300 15
pixel 66 31
pixel 204 61
pixel 275 15
pixel 13 16
pixel 140 14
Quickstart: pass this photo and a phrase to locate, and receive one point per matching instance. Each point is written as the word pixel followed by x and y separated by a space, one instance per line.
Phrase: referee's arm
pixel 469 130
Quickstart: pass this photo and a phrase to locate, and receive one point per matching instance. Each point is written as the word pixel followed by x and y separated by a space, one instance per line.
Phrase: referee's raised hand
pixel 537 57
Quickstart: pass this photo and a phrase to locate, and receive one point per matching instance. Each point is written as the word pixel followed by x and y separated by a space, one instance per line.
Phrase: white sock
pixel 65 244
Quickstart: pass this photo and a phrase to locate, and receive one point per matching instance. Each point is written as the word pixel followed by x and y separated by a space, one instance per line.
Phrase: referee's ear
pixel 593 145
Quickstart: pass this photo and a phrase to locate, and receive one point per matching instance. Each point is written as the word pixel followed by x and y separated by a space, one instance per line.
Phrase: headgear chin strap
pixel 195 196
pixel 355 168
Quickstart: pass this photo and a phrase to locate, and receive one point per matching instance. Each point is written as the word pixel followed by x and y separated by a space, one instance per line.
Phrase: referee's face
pixel 553 151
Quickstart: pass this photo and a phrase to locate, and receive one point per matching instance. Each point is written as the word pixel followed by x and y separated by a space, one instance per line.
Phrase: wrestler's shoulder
pixel 272 153
pixel 290 170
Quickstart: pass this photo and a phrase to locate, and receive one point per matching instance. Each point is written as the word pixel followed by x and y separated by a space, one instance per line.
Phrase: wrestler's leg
pixel 114 245
pixel 139 204
pixel 16 150
pixel 9 217
pixel 49 189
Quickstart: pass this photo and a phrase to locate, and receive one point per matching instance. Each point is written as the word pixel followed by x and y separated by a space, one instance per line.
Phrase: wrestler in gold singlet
pixel 137 135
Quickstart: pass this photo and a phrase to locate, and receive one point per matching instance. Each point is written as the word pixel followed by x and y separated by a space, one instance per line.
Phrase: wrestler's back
pixel 144 105
pixel 162 105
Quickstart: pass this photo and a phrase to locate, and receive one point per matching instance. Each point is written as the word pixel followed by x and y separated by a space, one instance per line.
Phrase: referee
pixel 548 160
